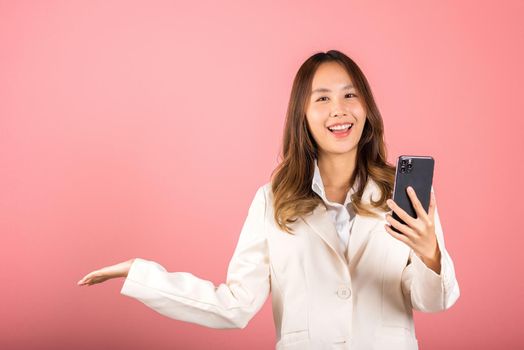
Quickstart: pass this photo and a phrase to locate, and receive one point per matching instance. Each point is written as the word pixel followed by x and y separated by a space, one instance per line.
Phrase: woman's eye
pixel 324 97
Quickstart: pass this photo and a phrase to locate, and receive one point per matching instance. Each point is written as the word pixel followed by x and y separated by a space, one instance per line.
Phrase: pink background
pixel 143 129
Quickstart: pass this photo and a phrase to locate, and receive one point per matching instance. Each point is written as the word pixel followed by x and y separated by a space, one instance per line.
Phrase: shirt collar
pixel 318 186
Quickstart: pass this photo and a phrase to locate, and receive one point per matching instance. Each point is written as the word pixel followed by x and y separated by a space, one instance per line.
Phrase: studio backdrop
pixel 143 129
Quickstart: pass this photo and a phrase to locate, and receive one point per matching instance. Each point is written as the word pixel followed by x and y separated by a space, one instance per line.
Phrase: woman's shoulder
pixel 264 191
pixel 266 187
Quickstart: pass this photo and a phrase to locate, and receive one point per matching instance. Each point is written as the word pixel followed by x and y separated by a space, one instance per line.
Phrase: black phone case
pixel 417 172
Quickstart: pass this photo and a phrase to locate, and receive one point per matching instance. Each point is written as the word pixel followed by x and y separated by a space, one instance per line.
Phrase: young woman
pixel 317 236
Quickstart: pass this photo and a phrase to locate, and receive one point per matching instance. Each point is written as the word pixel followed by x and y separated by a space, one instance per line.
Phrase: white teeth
pixel 340 127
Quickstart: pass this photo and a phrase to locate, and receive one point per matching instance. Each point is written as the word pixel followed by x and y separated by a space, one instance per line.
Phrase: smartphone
pixel 417 172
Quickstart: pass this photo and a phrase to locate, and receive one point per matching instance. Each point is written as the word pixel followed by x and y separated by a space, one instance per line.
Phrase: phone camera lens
pixel 403 162
pixel 410 166
pixel 402 170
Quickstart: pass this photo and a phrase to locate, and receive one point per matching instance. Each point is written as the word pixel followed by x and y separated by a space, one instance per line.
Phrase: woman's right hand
pixel 105 273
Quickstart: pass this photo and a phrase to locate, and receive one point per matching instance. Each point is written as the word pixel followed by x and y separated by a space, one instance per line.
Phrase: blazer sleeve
pixel 185 297
pixel 427 290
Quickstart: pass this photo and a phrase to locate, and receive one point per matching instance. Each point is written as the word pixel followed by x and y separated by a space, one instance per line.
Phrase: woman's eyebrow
pixel 347 87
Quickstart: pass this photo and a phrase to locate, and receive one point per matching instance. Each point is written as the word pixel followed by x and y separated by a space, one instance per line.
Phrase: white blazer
pixel 321 298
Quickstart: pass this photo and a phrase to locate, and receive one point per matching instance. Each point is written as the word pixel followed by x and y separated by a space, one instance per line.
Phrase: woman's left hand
pixel 419 233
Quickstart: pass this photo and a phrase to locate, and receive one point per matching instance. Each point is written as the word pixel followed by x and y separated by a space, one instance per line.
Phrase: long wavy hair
pixel 291 180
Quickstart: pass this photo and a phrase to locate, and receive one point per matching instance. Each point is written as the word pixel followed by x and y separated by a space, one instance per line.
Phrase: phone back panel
pixel 417 172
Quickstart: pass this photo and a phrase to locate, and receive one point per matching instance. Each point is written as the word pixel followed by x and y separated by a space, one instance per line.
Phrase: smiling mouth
pixel 340 130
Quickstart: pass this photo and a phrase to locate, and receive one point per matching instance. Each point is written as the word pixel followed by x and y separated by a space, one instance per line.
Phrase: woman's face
pixel 333 101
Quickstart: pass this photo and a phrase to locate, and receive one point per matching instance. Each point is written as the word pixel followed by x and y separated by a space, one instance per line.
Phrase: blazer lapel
pixel 320 223
pixel 360 234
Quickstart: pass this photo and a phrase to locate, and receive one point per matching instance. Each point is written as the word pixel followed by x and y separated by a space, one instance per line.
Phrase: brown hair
pixel 291 179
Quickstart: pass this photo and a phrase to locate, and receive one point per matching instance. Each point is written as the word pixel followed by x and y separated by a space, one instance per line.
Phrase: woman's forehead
pixel 331 76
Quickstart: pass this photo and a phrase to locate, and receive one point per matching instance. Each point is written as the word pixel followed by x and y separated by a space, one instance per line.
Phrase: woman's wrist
pixel 128 266
pixel 434 262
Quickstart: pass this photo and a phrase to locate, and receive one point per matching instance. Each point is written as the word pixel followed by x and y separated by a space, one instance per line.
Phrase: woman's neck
pixel 336 170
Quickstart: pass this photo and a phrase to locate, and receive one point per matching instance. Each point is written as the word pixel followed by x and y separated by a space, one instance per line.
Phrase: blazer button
pixel 343 292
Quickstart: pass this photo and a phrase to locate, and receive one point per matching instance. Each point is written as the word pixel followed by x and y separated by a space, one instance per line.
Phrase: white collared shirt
pixel 341 214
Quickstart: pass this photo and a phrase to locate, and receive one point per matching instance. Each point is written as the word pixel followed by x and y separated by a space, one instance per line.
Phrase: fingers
pixel 90 278
pixel 419 209
pixel 107 272
pixel 432 205
pixel 405 230
pixel 399 236
pixel 83 281
pixel 408 219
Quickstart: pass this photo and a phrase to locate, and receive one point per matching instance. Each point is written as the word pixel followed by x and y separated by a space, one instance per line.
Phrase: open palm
pixel 105 273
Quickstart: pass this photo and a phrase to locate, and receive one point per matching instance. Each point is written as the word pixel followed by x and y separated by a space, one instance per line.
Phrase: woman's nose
pixel 339 108
pixel 337 112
